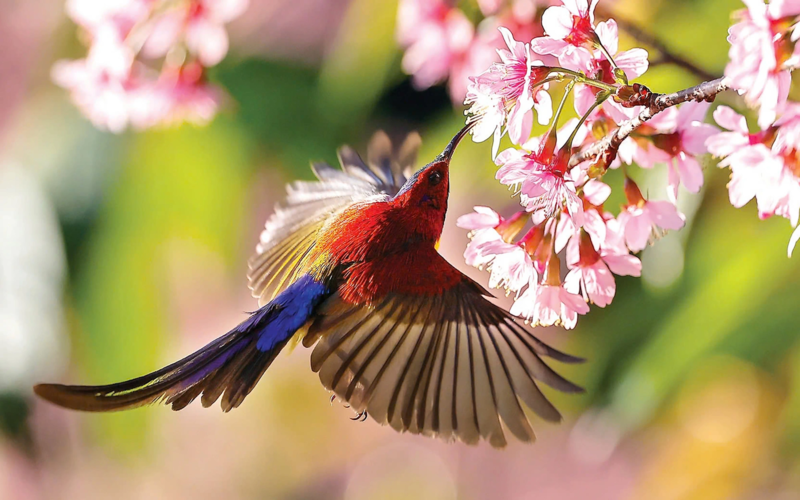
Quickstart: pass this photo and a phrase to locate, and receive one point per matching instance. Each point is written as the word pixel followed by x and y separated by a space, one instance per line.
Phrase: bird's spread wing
pixel 291 231
pixel 453 364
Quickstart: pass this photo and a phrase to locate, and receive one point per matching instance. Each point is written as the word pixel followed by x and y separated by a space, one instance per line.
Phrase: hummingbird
pixel 349 266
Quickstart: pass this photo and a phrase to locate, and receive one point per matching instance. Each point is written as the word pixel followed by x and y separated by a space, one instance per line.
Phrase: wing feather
pixel 291 231
pixel 452 365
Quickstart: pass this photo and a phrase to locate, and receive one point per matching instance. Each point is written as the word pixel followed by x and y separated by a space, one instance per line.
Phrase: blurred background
pixel 120 253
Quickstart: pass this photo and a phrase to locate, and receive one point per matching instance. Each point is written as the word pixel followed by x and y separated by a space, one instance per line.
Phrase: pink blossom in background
pixel 641 219
pixel 123 15
pixel 434 35
pixel 118 84
pixel 490 7
pixel 104 100
pixel 180 95
pixel 199 24
pixel 567 27
pixel 759 53
pixel 482 52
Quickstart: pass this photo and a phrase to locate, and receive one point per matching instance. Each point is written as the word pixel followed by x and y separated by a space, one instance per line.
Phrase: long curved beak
pixel 451 146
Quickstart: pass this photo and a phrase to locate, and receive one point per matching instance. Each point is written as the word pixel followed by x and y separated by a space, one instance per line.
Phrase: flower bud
pixel 633 194
pixel 510 228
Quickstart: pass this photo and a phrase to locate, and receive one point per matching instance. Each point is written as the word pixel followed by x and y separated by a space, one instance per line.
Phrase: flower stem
pixel 567 90
pixel 582 78
pixel 601 97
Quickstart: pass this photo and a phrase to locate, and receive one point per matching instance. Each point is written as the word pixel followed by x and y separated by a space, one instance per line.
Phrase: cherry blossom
pixel 590 273
pixel 760 51
pixel 180 95
pixel 511 267
pixel 568 27
pixel 146 60
pixel 104 100
pixel 641 218
pixel 755 168
pixel 434 35
pixel 549 303
pixel 200 24
pixel 542 176
pixel 506 94
pixel 595 64
pixel 485 226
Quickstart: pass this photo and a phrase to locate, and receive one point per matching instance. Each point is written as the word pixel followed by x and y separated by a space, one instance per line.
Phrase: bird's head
pixel 423 198
pixel 429 187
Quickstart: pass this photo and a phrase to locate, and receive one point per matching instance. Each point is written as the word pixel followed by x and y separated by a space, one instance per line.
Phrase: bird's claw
pixel 360 416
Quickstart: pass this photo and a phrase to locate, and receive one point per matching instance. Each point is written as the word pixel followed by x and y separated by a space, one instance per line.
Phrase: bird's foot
pixel 360 416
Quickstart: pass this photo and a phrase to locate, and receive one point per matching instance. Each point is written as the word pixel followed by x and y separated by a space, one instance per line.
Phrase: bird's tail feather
pixel 232 365
pixel 229 367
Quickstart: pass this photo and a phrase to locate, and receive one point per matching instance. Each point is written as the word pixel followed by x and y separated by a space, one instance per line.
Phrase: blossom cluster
pixel 147 59
pixel 562 251
pixel 764 164
pixel 442 44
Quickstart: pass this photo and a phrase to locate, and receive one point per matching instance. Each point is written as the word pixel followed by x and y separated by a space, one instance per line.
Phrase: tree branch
pixel 607 147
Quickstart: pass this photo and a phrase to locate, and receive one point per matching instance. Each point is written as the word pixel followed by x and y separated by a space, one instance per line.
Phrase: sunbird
pixel 350 266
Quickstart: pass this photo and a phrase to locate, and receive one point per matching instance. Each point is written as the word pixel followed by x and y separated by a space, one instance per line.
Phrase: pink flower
pixel 112 86
pixel 506 94
pixel 200 23
pixel 511 267
pixel 103 99
pixel 567 27
pixel 434 35
pixel 549 303
pixel 595 194
pixel 545 185
pixel 121 14
pixel 486 226
pixel 590 272
pixel 180 95
pixel 755 168
pixel 482 52
pixel 641 218
pixel 489 7
pixel 674 138
pixel 595 65
pixel 787 147
pixel 760 50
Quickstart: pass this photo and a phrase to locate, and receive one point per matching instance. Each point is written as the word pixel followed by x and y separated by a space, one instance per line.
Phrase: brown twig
pixel 649 39
pixel 607 147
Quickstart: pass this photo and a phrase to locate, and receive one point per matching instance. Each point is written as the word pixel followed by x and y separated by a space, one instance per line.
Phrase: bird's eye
pixel 435 178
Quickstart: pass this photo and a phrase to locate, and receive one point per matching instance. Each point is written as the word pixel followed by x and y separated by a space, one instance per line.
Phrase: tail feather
pixel 179 383
pixel 229 367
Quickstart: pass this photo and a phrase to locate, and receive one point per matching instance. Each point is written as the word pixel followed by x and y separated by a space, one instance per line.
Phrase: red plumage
pixel 390 247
